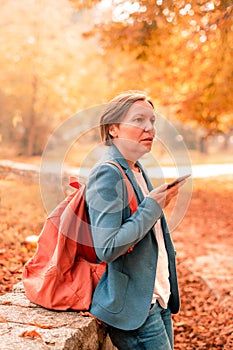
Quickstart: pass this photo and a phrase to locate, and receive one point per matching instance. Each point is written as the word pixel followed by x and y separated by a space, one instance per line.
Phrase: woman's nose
pixel 149 126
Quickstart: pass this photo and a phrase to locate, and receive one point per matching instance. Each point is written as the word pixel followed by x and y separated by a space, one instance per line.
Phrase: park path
pixel 198 171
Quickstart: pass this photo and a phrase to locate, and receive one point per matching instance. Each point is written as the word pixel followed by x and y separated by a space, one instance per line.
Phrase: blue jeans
pixel 155 334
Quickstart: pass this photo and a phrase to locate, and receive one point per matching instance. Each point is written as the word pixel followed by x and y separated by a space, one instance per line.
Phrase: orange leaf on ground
pixel 31 334
pixel 2 319
pixel 40 325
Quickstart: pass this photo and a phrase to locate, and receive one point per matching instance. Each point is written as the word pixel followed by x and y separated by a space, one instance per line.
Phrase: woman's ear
pixel 113 130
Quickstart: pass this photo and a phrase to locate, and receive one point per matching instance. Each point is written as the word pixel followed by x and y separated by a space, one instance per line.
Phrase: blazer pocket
pixel 112 291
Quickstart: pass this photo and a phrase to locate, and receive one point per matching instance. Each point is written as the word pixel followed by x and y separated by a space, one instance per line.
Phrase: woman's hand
pixel 163 196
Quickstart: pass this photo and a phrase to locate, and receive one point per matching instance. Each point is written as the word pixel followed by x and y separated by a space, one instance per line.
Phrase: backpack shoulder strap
pixel 133 204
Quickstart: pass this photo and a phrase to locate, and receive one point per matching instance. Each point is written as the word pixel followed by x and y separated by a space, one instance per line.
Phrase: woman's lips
pixel 148 139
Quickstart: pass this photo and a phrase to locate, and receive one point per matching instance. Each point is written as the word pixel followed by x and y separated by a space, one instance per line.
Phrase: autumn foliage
pixel 58 57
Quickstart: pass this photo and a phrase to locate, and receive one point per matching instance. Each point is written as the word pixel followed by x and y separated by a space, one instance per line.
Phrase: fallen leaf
pixel 2 319
pixel 30 334
pixel 40 325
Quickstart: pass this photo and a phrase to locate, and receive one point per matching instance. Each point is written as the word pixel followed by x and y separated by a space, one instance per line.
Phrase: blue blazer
pixel 123 296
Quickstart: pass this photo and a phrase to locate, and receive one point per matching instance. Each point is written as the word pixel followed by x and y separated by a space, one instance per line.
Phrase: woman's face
pixel 135 134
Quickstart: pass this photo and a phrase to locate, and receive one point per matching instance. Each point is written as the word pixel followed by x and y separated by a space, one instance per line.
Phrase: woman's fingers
pixel 163 196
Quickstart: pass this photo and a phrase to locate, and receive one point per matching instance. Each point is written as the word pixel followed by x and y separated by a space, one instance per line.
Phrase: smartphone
pixel 176 181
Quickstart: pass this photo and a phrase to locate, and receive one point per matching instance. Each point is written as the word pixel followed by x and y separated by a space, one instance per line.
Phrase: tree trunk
pixel 203 144
pixel 32 117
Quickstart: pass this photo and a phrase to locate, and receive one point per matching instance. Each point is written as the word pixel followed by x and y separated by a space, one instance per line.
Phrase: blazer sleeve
pixel 114 231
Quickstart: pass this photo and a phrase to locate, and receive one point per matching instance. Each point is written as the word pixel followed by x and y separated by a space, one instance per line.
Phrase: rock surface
pixel 26 326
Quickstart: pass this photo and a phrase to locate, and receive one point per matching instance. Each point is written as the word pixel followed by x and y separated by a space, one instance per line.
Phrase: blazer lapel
pixel 135 184
pixel 115 155
pixel 148 182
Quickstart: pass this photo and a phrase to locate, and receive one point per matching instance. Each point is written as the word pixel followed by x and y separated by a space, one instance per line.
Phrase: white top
pixel 162 284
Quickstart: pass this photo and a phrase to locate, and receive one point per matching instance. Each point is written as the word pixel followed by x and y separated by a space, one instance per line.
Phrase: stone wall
pixel 26 326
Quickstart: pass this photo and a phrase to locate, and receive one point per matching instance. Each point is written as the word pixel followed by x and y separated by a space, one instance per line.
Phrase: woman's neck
pixel 133 166
pixel 130 156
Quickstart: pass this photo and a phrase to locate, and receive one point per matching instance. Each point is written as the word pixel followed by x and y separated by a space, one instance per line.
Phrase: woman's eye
pixel 139 120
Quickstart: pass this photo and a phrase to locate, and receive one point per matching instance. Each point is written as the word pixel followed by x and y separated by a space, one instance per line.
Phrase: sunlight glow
pixel 184 33
pixel 205 20
pixel 187 10
pixel 209 6
pixel 191 12
pixel 191 45
pixel 213 26
pixel 193 22
pixel 166 11
pixel 172 15
pixel 124 9
pixel 31 40
pixel 203 38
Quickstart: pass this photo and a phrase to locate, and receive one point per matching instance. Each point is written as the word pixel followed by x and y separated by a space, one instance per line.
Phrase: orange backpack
pixel 64 272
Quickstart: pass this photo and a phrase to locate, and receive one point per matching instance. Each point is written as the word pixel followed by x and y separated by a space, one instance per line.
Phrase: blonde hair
pixel 116 110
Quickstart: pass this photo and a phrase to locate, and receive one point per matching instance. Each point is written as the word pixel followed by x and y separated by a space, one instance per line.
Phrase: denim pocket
pixel 155 306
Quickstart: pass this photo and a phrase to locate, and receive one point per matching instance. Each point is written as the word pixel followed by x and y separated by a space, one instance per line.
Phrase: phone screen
pixel 176 181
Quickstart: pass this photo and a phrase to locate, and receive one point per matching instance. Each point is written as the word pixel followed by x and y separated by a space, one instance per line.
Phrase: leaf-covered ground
pixel 203 242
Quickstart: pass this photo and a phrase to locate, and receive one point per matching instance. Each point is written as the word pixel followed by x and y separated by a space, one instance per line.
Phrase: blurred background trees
pixel 58 57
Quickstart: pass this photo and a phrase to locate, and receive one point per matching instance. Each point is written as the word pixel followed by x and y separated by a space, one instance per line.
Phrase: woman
pixel 138 292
